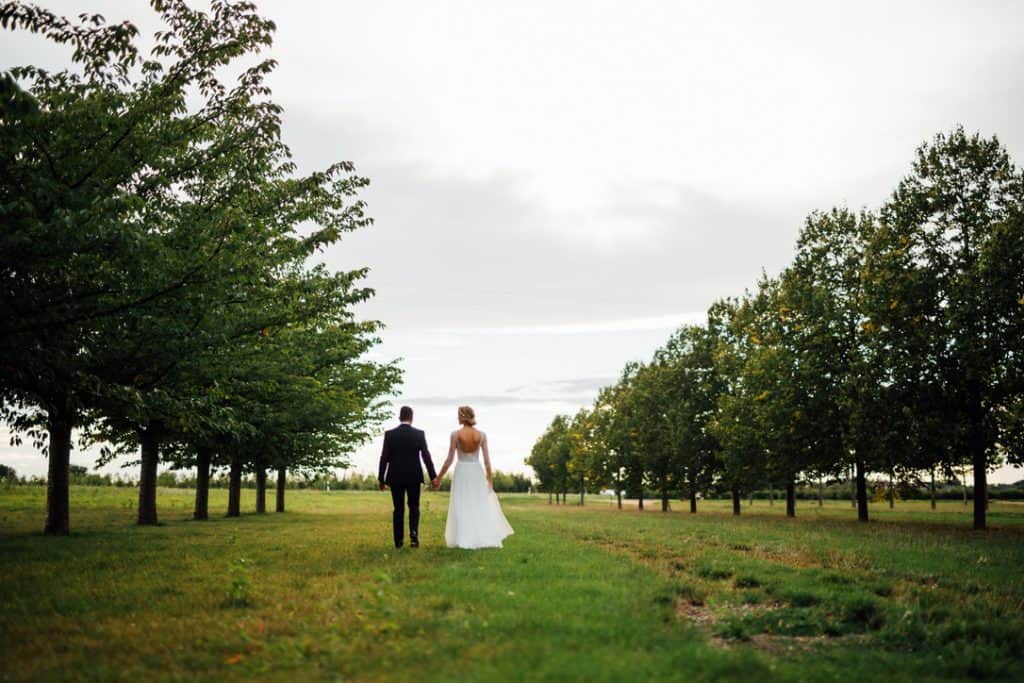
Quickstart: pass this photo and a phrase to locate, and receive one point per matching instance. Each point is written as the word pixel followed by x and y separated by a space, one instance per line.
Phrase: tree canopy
pixel 891 344
pixel 158 255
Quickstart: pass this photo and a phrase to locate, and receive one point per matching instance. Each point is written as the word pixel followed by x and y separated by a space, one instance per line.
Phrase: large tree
pixel 945 270
pixel 846 403
pixel 151 211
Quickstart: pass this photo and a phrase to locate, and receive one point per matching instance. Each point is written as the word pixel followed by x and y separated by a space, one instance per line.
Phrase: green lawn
pixel 576 594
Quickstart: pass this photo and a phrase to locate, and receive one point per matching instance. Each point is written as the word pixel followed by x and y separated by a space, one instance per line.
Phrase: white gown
pixel 475 519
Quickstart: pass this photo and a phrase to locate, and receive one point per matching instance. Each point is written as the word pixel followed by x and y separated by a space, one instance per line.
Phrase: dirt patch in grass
pixel 802 559
pixel 698 614
pixel 708 621
pixel 782 645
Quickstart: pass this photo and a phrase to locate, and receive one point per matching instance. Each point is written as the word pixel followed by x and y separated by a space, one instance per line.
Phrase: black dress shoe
pixel 398 545
pixel 414 543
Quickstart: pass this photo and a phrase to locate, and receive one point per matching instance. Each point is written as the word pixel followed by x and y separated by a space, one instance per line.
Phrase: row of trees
pixel 893 343
pixel 504 482
pixel 159 290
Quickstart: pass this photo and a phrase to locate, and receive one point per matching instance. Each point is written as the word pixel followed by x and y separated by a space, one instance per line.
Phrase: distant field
pixel 576 594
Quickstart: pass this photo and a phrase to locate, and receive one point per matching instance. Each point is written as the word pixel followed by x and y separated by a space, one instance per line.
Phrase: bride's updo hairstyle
pixel 467 416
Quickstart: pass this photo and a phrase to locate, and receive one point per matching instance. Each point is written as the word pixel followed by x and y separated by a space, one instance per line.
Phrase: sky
pixel 556 186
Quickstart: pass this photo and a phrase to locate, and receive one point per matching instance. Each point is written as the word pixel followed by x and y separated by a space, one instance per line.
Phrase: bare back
pixel 469 439
pixel 467 442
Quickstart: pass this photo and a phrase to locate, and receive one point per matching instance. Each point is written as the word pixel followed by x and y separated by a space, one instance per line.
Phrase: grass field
pixel 576 594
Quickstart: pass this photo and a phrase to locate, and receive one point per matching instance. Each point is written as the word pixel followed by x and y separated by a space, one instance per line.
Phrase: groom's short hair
pixel 405 414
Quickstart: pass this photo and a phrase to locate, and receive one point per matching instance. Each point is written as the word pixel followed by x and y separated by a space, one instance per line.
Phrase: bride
pixel 475 519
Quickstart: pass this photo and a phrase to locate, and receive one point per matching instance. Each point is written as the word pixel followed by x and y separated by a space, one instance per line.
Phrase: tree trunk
pixel 931 488
pixel 58 506
pixel 549 498
pixel 261 490
pixel 582 490
pixel 980 491
pixel 771 496
pixel 976 446
pixel 618 493
pixel 693 500
pixel 821 491
pixel 790 499
pixel 235 488
pixel 640 503
pixel 149 438
pixel 664 497
pixel 281 481
pixel 862 493
pixel 202 510
pixel 892 489
pixel 735 501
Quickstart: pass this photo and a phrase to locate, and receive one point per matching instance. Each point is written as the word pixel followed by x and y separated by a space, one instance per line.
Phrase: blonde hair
pixel 467 416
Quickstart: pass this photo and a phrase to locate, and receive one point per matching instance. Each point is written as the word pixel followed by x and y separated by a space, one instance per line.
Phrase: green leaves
pixel 155 244
pixel 892 342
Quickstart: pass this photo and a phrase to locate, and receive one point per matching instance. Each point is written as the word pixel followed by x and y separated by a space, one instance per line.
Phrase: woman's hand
pixel 435 482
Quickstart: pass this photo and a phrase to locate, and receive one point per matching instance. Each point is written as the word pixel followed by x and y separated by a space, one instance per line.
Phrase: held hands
pixel 435 482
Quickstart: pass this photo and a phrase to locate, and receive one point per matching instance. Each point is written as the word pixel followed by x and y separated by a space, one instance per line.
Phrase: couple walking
pixel 475 519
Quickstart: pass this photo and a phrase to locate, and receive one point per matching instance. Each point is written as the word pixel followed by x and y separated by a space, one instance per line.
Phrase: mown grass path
pixel 576 594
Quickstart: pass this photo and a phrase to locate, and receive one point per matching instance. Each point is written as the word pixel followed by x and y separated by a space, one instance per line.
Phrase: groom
pixel 400 469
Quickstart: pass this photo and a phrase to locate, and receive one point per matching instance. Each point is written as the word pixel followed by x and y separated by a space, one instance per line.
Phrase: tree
pixel 944 271
pixel 845 398
pixel 650 430
pixel 70 160
pixel 622 434
pixel 549 457
pixel 605 464
pixel 733 425
pixel 581 449
pixel 92 154
pixel 692 387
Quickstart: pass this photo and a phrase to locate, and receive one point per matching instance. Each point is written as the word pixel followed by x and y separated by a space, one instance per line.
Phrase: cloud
pixel 480 400
pixel 453 255
pixel 546 393
pixel 664 322
pixel 568 386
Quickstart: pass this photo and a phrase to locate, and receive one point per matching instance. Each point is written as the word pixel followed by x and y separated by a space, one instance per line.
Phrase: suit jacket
pixel 400 457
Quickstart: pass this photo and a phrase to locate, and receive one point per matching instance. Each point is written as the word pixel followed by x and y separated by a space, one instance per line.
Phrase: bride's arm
pixel 447 462
pixel 487 461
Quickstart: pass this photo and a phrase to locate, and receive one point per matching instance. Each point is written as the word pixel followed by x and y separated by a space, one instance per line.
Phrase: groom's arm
pixel 425 454
pixel 385 460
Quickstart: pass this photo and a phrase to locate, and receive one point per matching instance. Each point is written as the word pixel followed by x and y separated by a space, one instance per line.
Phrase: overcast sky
pixel 558 185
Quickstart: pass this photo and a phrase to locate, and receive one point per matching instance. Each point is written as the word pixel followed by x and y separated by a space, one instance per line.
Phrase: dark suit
pixel 401 470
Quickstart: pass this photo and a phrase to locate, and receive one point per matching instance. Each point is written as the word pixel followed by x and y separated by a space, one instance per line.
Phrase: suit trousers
pixel 399 493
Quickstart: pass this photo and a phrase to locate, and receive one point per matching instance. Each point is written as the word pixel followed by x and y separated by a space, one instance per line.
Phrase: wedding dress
pixel 475 519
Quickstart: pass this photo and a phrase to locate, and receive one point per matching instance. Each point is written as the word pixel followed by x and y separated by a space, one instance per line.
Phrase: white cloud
pixel 663 322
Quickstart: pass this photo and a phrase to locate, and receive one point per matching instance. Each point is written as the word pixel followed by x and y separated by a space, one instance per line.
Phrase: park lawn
pixel 587 593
